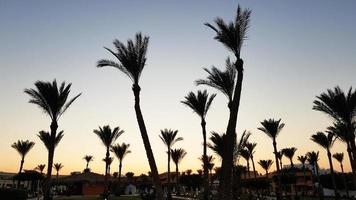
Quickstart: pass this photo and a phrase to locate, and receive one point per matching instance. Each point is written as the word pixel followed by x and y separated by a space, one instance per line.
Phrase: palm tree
pixel 200 104
pixel 88 159
pixel 312 158
pixel 217 145
pixel 342 108
pixel 246 155
pixel 108 161
pixel 132 59
pixel 326 142
pixel 302 159
pixel 40 168
pixel 107 137
pixel 177 156
pixel 57 167
pixel 54 102
pixel 22 147
pixel 169 138
pixel 289 153
pixel 279 156
pixel 265 164
pixel 272 128
pixel 120 152
pixel 251 150
pixel 232 36
pixel 340 157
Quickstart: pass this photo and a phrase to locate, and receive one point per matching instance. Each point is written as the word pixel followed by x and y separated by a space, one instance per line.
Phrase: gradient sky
pixel 295 51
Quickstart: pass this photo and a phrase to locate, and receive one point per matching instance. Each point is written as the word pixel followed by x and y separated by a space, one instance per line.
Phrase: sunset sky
pixel 295 50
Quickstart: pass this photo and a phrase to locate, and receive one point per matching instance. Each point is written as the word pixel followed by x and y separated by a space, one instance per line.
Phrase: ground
pixel 96 198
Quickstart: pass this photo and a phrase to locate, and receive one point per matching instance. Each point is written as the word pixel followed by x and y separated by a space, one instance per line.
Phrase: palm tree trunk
pixel 205 160
pixel 352 149
pixel 344 179
pixel 254 172
pixel 120 167
pixel 279 186
pixel 305 180
pixel 225 186
pixel 177 179
pixel 87 165
pixel 47 183
pixel 169 174
pixel 151 160
pixel 106 190
pixel 291 163
pixel 320 191
pixel 332 173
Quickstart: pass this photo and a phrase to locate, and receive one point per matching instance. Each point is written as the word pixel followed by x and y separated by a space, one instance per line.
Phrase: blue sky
pixel 295 50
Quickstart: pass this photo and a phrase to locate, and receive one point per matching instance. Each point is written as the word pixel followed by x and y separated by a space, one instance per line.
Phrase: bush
pixel 13 194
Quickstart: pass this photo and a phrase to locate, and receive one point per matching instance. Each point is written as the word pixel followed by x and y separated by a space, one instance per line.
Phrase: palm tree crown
pixel 51 99
pixel 200 102
pixel 58 166
pixel 47 140
pixel 121 150
pixel 271 127
pixel 302 159
pixel 251 148
pixel 168 137
pixel 313 158
pixel 23 147
pixel 289 153
pixel 40 167
pixel 265 164
pixel 233 34
pixel 88 158
pixel 177 155
pixel 108 136
pixel 131 57
pixel 217 143
pixel 339 157
pixel 325 141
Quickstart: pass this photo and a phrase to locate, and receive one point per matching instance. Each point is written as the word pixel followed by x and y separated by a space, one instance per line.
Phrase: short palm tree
pixel 22 147
pixel 289 153
pixel 251 150
pixel 53 100
pixel 326 141
pixel 40 168
pixel 169 138
pixel 132 60
pixel 302 159
pixel 108 161
pixel 200 104
pixel 340 157
pixel 88 159
pixel 313 158
pixel 265 164
pixel 232 36
pixel 107 137
pixel 279 156
pixel 177 156
pixel 120 151
pixel 341 107
pixel 57 167
pixel 246 155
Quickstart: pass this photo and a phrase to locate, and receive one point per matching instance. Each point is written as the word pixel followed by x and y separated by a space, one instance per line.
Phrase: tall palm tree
pixel 120 152
pixel 22 147
pixel 132 60
pixel 53 100
pixel 265 164
pixel 57 167
pixel 88 159
pixel 246 155
pixel 326 142
pixel 251 150
pixel 108 137
pixel 272 128
pixel 200 104
pixel 340 157
pixel 40 168
pixel 169 138
pixel 177 156
pixel 313 158
pixel 289 153
pixel 341 107
pixel 302 159
pixel 232 36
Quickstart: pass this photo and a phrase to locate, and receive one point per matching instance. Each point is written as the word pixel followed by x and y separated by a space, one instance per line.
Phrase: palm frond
pixel 169 137
pixel 23 147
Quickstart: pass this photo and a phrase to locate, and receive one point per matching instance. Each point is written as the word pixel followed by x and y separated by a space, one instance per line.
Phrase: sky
pixel 295 50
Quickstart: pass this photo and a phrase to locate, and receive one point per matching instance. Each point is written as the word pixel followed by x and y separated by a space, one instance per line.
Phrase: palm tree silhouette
pixel 289 153
pixel 340 157
pixel 342 108
pixel 22 147
pixel 279 156
pixel 169 138
pixel 107 137
pixel 88 159
pixel 326 142
pixel 265 164
pixel 108 161
pixel 313 158
pixel 217 145
pixel 132 59
pixel 57 167
pixel 54 102
pixel 177 156
pixel 251 150
pixel 246 155
pixel 40 168
pixel 232 36
pixel 302 159
pixel 120 152
pixel 200 104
